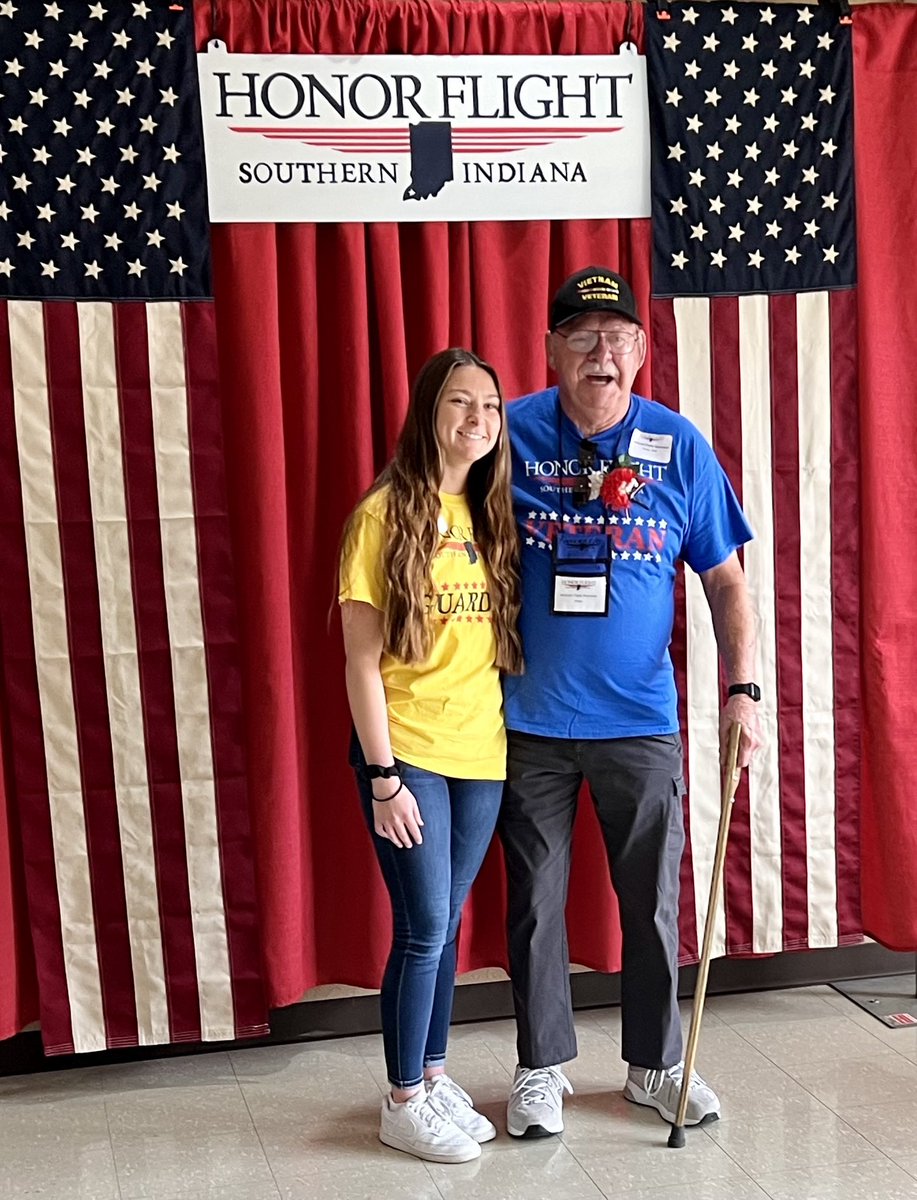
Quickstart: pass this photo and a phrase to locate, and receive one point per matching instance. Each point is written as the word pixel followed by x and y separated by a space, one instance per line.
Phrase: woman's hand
pixel 398 819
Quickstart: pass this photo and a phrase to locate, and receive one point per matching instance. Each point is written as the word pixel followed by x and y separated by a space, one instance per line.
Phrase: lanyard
pixel 623 434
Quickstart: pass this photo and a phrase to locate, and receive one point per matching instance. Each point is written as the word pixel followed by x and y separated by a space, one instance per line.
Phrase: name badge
pixel 582 568
pixel 651 447
pixel 581 595
pixel 582 547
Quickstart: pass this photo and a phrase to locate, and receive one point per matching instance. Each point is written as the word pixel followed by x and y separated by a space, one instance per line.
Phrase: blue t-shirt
pixel 611 676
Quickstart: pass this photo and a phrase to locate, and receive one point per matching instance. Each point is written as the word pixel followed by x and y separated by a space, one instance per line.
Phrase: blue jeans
pixel 428 885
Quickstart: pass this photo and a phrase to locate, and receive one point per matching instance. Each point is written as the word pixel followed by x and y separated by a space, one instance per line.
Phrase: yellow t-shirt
pixel 445 714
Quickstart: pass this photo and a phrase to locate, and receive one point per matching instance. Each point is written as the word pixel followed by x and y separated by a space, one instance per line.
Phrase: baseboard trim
pixel 319 1019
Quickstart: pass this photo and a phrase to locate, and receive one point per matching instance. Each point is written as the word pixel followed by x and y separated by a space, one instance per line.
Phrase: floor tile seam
pixel 267 1159
pixel 617 1193
pixel 707 1133
pixel 220 1126
pixel 906 1170
pixel 866 1138
pixel 114 1157
pixel 499 1062
pixel 776 1066
pixel 773 1062
pixel 866 1162
pixel 874 1034
pixel 439 1191
pixel 900 1053
pixel 873 1158
pixel 843 1062
pixel 569 1150
pixel 879 1154
pixel 744 1072
pixel 232 1064
pixel 826 1004
pixel 840 1116
pixel 781 1023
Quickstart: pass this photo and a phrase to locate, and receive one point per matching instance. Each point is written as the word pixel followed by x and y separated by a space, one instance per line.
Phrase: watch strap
pixel 745 689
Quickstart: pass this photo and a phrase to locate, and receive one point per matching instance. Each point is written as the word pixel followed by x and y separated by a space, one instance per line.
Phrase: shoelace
pixel 539 1081
pixel 449 1092
pixel 655 1079
pixel 430 1115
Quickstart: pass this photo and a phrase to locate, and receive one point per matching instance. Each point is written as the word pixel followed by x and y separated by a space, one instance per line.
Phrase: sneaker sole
pixel 533 1131
pixel 649 1102
pixel 456 1156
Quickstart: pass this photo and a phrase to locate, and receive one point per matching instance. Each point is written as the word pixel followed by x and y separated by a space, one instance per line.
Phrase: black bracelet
pixel 385 799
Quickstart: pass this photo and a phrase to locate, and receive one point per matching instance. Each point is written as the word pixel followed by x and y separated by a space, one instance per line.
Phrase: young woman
pixel 429 590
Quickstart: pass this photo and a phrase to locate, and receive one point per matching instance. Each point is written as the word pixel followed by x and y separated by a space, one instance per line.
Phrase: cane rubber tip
pixel 676 1137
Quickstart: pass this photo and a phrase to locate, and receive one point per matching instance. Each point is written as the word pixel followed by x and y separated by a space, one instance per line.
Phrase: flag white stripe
pixel 814 376
pixel 122 672
pixel 52 662
pixel 171 437
pixel 757 499
pixel 695 382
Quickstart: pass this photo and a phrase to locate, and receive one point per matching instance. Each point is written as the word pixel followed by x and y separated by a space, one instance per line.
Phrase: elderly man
pixel 610 490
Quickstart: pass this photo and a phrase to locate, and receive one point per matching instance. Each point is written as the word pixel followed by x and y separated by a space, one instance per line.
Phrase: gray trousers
pixel 636 786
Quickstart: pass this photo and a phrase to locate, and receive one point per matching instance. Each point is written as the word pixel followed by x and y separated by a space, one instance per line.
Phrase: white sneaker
pixel 417 1127
pixel 660 1089
pixel 454 1102
pixel 536 1103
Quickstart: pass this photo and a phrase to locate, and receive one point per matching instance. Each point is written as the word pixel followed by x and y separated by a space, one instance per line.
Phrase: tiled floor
pixel 819 1100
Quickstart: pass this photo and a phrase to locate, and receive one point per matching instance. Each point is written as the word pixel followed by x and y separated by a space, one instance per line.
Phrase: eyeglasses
pixel 587 457
pixel 581 341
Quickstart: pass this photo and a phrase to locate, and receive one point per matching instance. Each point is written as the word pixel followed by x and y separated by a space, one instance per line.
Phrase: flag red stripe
pixel 846 486
pixel 157 693
pixel 665 389
pixel 727 441
pixel 81 596
pixel 29 768
pixel 788 605
pixel 224 679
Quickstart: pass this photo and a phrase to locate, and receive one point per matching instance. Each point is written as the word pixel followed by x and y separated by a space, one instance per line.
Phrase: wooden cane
pixel 730 783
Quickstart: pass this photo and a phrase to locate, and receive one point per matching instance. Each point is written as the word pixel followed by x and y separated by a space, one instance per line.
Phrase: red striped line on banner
pixel 665 388
pixel 727 425
pixel 221 643
pixel 154 663
pixel 773 380
pixel 845 543
pixel 93 732
pixel 788 596
pixel 123 677
pixel 182 530
pixel 29 765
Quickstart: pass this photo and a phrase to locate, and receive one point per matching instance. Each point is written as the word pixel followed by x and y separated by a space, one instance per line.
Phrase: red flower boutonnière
pixel 622 485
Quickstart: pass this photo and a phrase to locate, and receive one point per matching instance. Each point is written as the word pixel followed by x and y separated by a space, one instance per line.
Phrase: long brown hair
pixel 413 508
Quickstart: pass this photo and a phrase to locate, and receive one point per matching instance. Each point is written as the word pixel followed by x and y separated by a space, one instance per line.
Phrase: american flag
pixel 119 654
pixel 754 337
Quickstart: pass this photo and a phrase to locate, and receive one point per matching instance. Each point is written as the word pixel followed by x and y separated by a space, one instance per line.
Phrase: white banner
pixel 424 138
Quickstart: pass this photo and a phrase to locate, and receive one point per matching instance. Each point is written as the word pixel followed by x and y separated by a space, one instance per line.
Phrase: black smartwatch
pixel 374 771
pixel 745 689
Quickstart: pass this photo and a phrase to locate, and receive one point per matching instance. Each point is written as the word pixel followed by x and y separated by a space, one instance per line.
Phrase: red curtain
pixel 885 46
pixel 321 328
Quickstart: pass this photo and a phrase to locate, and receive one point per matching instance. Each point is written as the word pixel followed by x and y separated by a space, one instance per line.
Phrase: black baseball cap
pixel 593 289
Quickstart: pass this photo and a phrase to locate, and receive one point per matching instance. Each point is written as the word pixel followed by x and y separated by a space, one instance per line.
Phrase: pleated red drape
pixel 885 47
pixel 321 328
